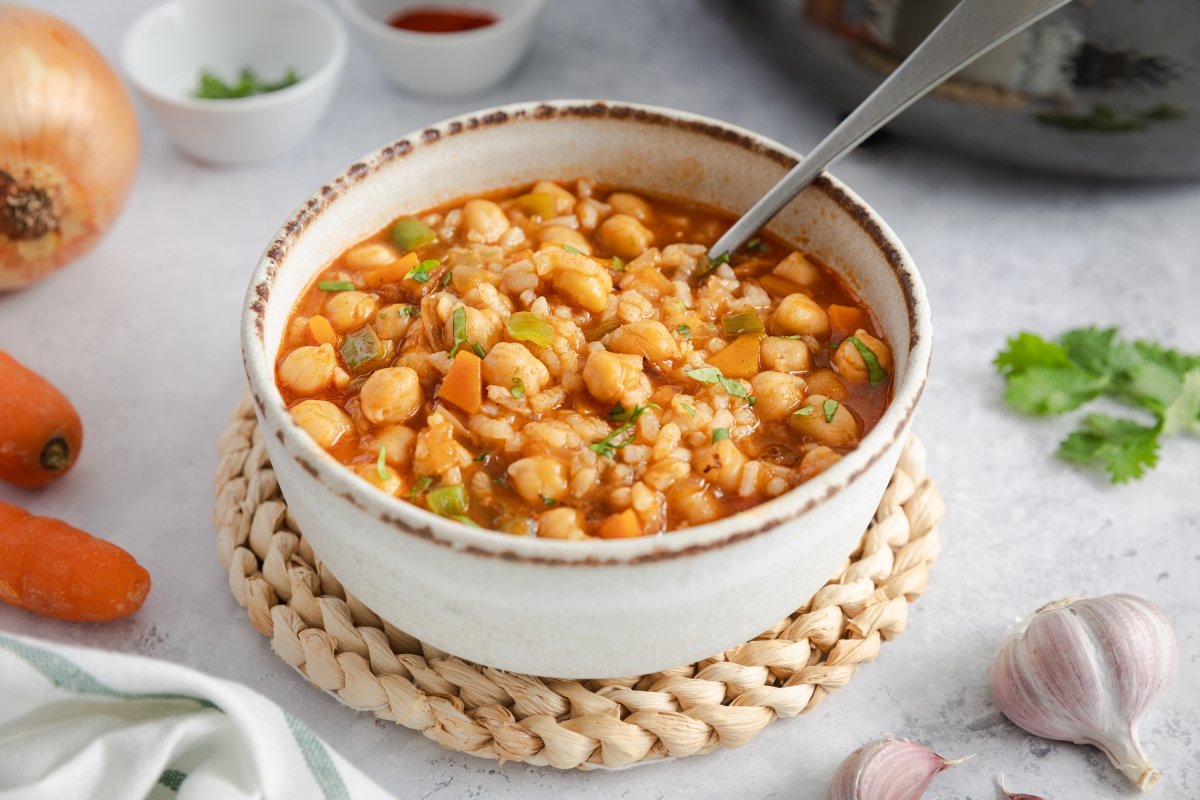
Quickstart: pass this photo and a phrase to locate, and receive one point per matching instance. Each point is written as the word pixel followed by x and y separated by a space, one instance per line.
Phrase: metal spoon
pixel 969 31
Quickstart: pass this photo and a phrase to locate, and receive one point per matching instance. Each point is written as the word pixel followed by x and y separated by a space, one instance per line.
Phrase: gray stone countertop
pixel 142 335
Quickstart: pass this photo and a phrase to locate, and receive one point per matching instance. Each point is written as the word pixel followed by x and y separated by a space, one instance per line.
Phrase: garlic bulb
pixel 887 769
pixel 1085 670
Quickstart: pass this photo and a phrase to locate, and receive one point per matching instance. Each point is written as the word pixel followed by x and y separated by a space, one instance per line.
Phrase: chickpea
pixel 564 201
pixel 311 369
pixel 785 355
pixel 484 327
pixel 580 279
pixel 616 378
pixel 389 481
pixel 562 523
pixel 418 360
pixel 798 269
pixel 777 395
pixel 646 338
pixel 720 463
pixel 509 362
pixel 800 314
pixel 561 234
pixel 625 236
pixel 484 221
pixel 391 394
pixel 349 311
pixel 849 363
pixel 840 431
pixel 538 479
pixel 392 322
pixel 371 255
pixel 825 382
pixel 322 420
pixel 630 205
pixel 816 461
pixel 692 497
pixel 398 441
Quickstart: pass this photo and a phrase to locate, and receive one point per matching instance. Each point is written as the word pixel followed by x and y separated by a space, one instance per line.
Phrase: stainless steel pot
pixel 1103 87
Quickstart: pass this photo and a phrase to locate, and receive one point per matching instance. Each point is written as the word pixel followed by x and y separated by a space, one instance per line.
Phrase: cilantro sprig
pixel 1044 377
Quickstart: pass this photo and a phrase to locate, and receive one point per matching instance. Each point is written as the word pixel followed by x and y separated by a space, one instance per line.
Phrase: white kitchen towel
pixel 82 723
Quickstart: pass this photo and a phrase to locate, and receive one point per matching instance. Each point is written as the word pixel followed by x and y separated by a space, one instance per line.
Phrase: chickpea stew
pixel 565 361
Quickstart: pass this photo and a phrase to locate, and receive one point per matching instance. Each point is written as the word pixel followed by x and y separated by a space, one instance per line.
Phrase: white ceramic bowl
pixel 164 51
pixel 594 608
pixel 446 63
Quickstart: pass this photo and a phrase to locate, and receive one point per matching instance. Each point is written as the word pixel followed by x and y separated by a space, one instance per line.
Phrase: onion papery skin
pixel 68 145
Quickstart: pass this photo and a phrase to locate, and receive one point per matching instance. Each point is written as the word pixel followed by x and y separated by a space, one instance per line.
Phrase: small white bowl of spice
pixel 234 82
pixel 453 48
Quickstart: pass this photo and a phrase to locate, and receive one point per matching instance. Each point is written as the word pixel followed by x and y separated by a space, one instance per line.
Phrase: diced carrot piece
pixel 739 358
pixel 622 525
pixel 321 331
pixel 779 287
pixel 847 318
pixel 392 273
pixel 463 384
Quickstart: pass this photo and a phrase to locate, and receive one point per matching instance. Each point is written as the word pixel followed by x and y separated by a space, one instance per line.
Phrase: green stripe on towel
pixel 70 677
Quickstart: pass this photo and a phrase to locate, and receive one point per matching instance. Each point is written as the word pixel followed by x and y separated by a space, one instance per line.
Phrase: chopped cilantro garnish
pixel 719 260
pixel 719 434
pixel 757 245
pixel 1045 377
pixel 248 84
pixel 688 409
pixel 806 411
pixel 609 445
pixel 829 408
pixel 684 330
pixel 422 272
pixel 409 311
pixel 478 348
pixel 335 286
pixel 571 249
pixel 446 276
pixel 549 502
pixel 381 463
pixel 482 457
pixel 875 373
pixel 713 375
pixel 518 388
pixel 616 265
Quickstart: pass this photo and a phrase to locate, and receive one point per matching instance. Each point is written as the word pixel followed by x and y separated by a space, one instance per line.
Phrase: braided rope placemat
pixel 343 647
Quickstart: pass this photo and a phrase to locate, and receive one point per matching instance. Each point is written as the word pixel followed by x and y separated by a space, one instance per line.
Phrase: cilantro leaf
pixel 1052 390
pixel 1183 413
pixel 1027 350
pixel 713 375
pixel 1123 447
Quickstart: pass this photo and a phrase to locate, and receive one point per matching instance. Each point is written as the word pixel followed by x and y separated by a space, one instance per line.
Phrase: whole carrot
pixel 40 433
pixel 53 569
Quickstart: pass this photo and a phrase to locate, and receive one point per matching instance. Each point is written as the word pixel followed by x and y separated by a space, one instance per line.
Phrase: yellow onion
pixel 68 145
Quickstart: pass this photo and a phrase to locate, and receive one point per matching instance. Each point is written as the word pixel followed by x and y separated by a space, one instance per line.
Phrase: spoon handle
pixel 967 32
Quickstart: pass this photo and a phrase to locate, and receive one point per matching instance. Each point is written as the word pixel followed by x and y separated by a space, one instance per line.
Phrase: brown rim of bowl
pixel 492 544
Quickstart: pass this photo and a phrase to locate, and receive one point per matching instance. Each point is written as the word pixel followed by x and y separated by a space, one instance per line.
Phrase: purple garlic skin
pixel 1085 670
pixel 887 769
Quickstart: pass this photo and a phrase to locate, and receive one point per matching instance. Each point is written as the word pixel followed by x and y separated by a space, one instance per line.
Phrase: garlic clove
pixel 887 769
pixel 1084 670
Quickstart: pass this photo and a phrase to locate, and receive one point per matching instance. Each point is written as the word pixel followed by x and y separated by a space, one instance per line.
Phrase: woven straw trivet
pixel 341 646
